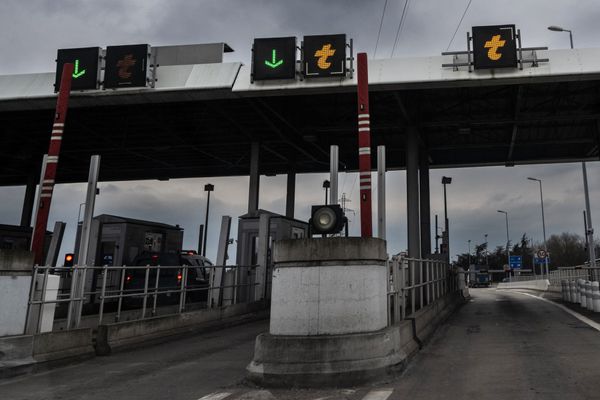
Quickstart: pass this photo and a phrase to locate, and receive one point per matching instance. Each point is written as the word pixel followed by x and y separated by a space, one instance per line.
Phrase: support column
pixel 425 211
pixel 412 192
pixel 290 195
pixel 28 200
pixel 254 177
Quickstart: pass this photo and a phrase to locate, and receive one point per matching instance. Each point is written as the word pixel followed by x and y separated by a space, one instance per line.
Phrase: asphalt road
pixel 498 346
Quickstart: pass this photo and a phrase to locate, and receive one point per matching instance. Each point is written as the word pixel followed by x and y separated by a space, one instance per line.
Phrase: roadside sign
pixel 541 254
pixel 324 56
pixel 542 261
pixel 86 68
pixel 494 46
pixel 126 66
pixel 274 58
pixel 516 262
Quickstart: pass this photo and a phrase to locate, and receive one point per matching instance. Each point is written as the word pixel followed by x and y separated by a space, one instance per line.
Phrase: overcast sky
pixel 32 30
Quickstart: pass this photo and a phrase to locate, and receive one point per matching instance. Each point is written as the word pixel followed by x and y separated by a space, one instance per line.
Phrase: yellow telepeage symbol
pixel 323 54
pixel 493 46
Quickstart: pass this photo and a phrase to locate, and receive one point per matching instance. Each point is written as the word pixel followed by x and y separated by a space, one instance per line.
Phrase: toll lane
pixel 504 345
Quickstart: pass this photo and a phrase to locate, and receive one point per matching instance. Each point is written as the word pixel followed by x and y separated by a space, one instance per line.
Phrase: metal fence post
pixel 182 289
pixel 121 286
pixel 81 294
pixel 42 298
pixel 412 284
pixel 421 265
pixel 102 293
pixel 31 296
pixel 74 274
pixel 397 287
pixel 145 291
pixel 155 291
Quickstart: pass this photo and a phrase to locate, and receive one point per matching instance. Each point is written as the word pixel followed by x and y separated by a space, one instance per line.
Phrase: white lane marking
pixel 215 396
pixel 378 394
pixel 580 317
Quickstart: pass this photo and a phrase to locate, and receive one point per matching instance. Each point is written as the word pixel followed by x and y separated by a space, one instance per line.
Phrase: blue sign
pixel 516 262
pixel 542 261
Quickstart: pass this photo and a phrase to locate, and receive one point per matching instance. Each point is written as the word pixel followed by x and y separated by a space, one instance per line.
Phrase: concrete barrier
pixel 30 353
pixel 74 344
pixel 129 334
pixel 15 281
pixel 596 296
pixel 583 297
pixel 539 284
pixel 339 360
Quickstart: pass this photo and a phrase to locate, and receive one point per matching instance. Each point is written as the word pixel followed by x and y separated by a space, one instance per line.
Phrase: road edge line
pixel 580 317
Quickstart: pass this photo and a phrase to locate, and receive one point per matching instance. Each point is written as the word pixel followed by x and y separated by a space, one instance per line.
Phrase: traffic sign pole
pixel 364 147
pixel 47 188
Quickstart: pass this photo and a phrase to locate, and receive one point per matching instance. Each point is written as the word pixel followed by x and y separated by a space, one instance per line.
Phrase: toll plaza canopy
pixel 200 119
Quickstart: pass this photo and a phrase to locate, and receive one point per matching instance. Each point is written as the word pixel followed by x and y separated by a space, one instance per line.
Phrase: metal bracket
pixel 531 57
pixel 300 72
pixel 252 65
pixel 350 71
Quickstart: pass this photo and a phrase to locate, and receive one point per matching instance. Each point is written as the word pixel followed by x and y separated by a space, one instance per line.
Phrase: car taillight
pixel 179 276
pixel 128 278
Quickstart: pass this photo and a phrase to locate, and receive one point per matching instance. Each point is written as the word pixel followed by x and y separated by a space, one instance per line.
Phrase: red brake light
pixel 179 276
pixel 128 278
pixel 155 257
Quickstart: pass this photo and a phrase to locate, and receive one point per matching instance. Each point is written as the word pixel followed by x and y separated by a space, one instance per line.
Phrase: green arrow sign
pixel 274 63
pixel 76 72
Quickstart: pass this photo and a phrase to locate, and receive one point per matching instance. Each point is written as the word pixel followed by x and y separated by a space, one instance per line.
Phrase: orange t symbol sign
pixel 323 54
pixel 125 65
pixel 493 46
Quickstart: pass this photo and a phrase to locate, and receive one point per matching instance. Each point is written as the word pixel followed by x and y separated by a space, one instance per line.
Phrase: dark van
pixel 169 279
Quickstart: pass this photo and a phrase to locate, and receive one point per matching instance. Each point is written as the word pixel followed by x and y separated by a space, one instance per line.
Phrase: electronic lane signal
pixel 274 58
pixel 126 66
pixel 495 46
pixel 86 71
pixel 324 56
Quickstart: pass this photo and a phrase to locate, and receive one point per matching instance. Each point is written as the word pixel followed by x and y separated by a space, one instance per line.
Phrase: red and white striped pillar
pixel 41 220
pixel 364 147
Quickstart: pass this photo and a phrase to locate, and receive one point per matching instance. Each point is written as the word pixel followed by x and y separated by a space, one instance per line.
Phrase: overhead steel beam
pixel 289 125
pixel 245 132
pixel 515 129
pixel 283 137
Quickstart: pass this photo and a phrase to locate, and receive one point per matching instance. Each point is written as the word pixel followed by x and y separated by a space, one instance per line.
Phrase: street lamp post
pixel 207 188
pixel 543 224
pixel 446 180
pixel 469 241
pixel 486 251
pixel 555 28
pixel 507 241
pixel 589 231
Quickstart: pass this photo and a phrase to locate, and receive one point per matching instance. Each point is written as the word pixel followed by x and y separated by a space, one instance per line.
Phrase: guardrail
pixel 140 288
pixel 416 283
pixel 557 276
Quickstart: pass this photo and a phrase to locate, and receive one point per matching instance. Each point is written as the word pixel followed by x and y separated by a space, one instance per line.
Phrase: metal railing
pixel 557 276
pixel 416 283
pixel 139 291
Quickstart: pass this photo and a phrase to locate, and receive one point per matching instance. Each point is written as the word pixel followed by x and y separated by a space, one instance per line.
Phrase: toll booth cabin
pixel 250 233
pixel 117 241
pixel 15 237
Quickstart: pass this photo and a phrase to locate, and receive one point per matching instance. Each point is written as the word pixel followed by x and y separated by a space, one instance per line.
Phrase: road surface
pixel 501 345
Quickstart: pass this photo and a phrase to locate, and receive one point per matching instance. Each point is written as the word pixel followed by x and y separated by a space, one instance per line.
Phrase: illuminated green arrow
pixel 76 72
pixel 274 63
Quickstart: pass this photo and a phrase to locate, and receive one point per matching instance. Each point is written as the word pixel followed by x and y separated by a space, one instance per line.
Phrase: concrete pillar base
pixel 328 324
pixel 326 360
